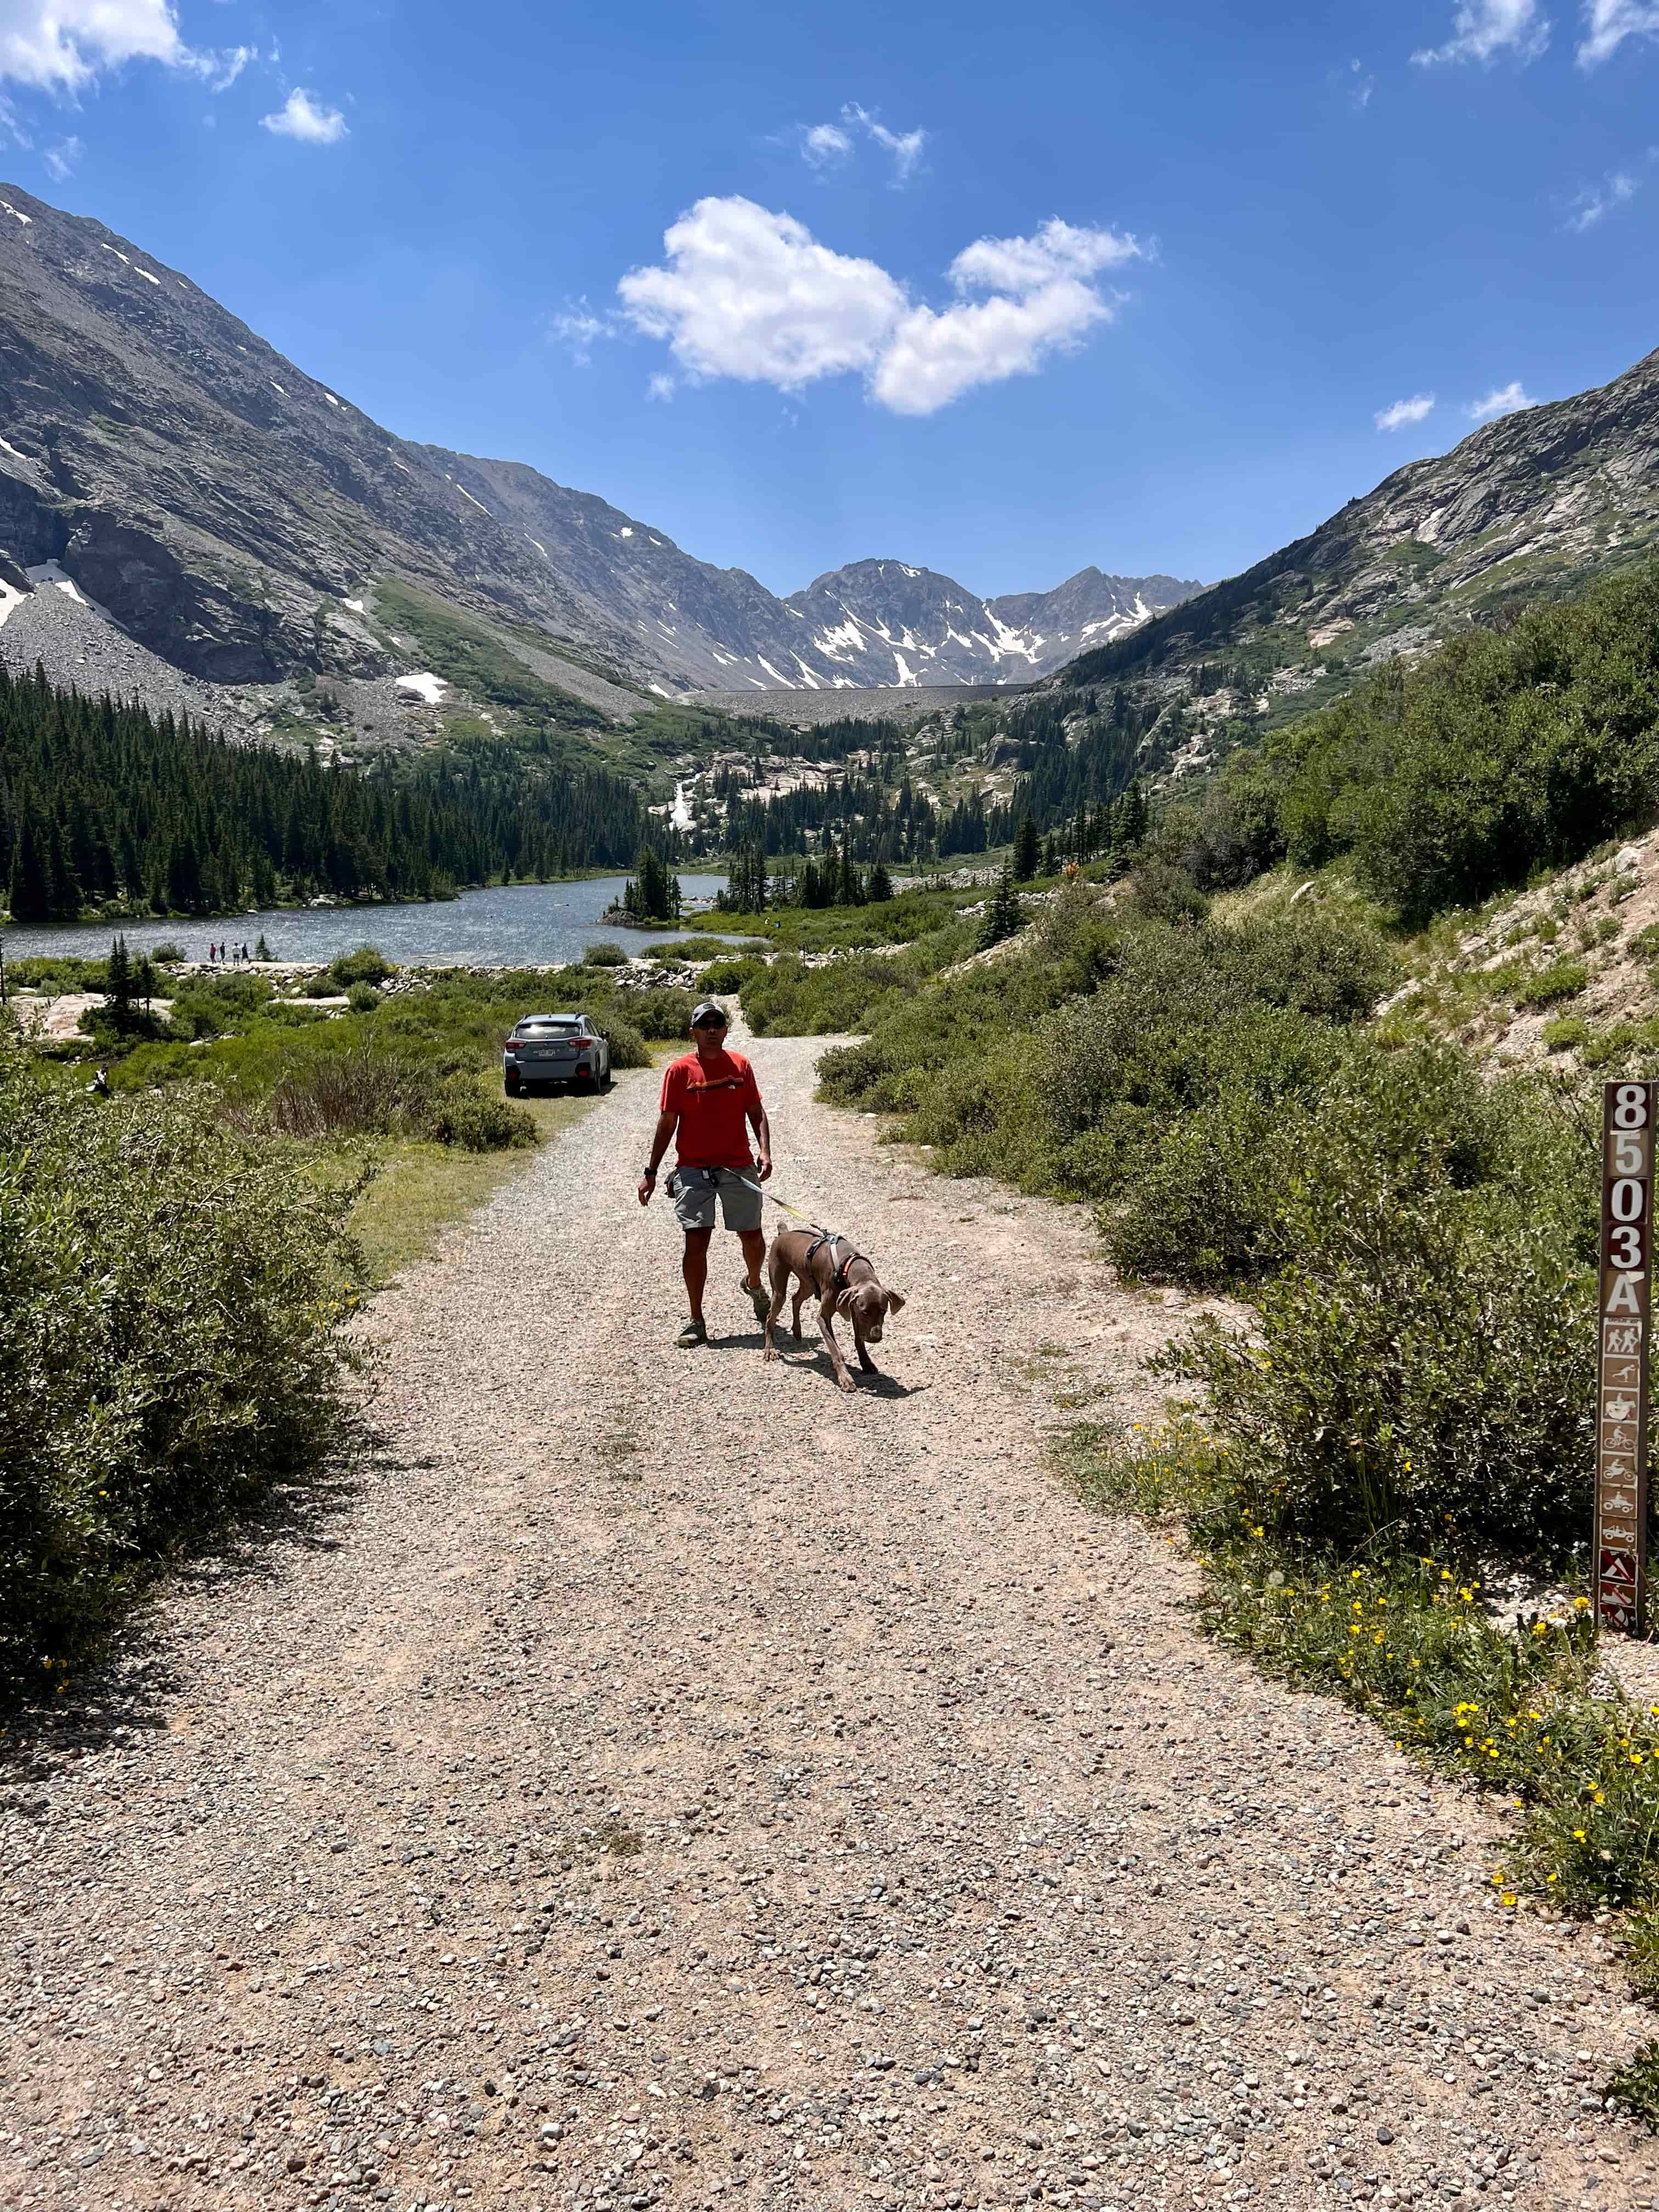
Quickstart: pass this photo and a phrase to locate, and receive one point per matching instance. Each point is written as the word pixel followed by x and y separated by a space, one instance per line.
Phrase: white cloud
pixel 826 143
pixel 933 359
pixel 1022 264
pixel 1362 83
pixel 1483 29
pixel 11 131
pixel 662 387
pixel 300 116
pixel 220 71
pixel 1608 23
pixel 1405 410
pixel 904 146
pixel 61 159
pixel 751 295
pixel 1506 399
pixel 1042 303
pixel 1599 200
pixel 577 329
pixel 60 46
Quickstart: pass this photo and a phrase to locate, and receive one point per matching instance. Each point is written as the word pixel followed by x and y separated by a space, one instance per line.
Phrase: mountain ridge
pixel 1539 503
pixel 232 514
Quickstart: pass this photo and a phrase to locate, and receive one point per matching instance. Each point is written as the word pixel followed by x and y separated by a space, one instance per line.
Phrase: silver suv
pixel 554 1049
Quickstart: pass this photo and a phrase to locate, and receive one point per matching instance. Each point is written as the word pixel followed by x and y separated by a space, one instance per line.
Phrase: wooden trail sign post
pixel 1625 1311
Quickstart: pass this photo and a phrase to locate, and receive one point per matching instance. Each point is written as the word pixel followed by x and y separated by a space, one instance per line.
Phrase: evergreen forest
pixel 104 806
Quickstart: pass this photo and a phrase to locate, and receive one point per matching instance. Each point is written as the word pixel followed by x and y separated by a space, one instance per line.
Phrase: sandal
pixel 760 1297
pixel 694 1333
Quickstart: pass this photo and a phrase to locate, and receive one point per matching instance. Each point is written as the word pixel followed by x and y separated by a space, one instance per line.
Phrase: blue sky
pixel 1002 291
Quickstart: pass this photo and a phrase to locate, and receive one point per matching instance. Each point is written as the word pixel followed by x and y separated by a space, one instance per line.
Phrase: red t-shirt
pixel 714 1103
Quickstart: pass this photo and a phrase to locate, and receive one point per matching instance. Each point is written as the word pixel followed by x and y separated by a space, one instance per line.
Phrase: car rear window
pixel 548 1029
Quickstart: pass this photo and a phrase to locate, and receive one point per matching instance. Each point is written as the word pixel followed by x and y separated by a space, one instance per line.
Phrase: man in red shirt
pixel 710 1096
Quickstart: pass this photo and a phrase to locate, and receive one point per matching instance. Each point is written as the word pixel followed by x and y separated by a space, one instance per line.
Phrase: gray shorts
pixel 694 1192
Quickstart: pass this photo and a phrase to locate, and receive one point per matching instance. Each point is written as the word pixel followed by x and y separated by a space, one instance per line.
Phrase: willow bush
pixel 174 1298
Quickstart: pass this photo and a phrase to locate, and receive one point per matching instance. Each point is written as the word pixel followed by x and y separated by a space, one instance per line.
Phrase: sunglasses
pixel 708 1025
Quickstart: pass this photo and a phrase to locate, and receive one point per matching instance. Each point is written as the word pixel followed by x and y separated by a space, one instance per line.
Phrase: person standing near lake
pixel 709 1101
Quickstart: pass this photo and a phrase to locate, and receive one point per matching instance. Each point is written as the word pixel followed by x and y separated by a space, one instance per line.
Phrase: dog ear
pixel 895 1301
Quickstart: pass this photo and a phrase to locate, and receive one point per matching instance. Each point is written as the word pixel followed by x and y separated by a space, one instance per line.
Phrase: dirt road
pixel 655 1780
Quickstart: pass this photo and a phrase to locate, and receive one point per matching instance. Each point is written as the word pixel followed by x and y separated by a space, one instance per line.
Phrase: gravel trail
pixel 656 1780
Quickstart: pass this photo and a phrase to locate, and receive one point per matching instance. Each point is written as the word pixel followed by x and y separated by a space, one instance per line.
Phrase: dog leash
pixel 760 1191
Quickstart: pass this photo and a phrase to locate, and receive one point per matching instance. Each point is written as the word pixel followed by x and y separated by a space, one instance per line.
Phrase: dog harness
pixel 820 1239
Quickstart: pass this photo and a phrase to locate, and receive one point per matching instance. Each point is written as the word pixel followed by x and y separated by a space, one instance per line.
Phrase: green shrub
pixel 627 1047
pixel 1159 890
pixel 167 954
pixel 984 1116
pixel 55 972
pixel 368 965
pixel 789 999
pixel 662 1013
pixel 464 1114
pixel 1562 979
pixel 607 955
pixel 363 998
pixel 208 1006
pixel 1416 1372
pixel 173 1299
pixel 115 1033
pixel 1203 1205
pixel 1611 1048
pixel 730 974
pixel 1564 1034
pixel 323 985
pixel 366 1086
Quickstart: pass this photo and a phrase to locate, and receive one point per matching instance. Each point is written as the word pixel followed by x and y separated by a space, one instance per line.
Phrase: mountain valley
pixel 232 518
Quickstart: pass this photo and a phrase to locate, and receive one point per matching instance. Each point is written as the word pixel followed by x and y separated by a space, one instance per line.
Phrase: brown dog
pixel 846 1282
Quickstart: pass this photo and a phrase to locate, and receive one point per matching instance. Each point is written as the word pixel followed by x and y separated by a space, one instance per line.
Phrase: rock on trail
pixel 652 1779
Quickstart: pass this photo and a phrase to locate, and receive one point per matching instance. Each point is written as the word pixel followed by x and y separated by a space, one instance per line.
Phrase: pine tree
pixel 31 888
pixel 1026 852
pixel 65 891
pixel 881 883
pixel 1003 912
pixel 120 984
pixel 1130 817
pixel 850 891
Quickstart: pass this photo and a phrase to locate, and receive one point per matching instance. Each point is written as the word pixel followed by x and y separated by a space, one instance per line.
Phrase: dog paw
pixel 847 1384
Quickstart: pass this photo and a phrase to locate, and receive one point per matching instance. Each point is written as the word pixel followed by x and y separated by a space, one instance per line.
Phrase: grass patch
pixel 1566 1033
pixel 418 1190
pixel 1562 979
pixel 468 652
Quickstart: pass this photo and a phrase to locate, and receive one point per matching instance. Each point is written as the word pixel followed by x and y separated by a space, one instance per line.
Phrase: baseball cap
pixel 709 1013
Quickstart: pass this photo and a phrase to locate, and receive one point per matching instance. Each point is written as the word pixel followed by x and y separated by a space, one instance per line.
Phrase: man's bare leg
pixel 694 1267
pixel 753 1241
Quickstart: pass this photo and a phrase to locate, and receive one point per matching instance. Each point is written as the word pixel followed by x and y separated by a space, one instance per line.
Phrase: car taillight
pixel 511 1046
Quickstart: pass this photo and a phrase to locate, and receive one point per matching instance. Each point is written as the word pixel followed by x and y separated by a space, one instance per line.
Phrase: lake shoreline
pixel 503 925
